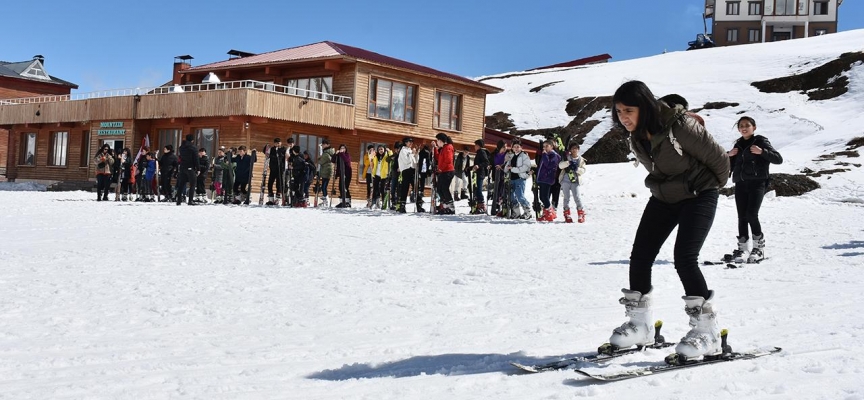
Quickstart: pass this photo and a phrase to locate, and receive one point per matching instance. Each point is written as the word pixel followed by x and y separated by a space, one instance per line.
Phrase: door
pixel 116 144
pixel 778 36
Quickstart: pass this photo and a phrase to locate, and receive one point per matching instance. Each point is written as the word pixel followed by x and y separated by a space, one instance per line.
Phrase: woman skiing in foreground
pixel 686 167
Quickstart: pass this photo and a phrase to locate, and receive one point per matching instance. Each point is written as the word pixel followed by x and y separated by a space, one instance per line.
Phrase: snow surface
pixel 21 187
pixel 153 301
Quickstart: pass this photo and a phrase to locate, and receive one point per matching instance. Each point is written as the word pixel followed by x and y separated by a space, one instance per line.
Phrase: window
pixel 59 147
pixel 169 136
pixel 732 35
pixel 820 8
pixel 733 8
pixel 36 70
pixel 754 35
pixel 448 111
pixel 360 176
pixel 309 143
pixel 207 138
pixel 754 8
pixel 820 32
pixel 317 88
pixel 785 7
pixel 391 100
pixel 85 150
pixel 28 150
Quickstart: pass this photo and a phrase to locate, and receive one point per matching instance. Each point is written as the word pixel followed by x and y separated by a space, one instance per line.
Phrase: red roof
pixel 327 49
pixel 576 63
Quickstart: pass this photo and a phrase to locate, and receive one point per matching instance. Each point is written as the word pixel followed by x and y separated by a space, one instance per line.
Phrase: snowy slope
pixel 154 301
pixel 800 129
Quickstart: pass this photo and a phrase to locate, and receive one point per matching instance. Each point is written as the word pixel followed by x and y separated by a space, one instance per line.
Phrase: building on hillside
pixel 741 22
pixel 598 59
pixel 26 79
pixel 322 90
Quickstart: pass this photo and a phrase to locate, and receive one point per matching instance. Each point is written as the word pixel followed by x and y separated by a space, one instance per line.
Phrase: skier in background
pixel 445 171
pixel 518 165
pixel 481 170
pixel 750 157
pixel 325 171
pixel 243 166
pixel 546 177
pixel 168 163
pixel 343 170
pixel 685 169
pixel 218 168
pixel 571 178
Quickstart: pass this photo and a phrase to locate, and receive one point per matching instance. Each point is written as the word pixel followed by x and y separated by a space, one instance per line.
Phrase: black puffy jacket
pixel 746 166
pixel 189 156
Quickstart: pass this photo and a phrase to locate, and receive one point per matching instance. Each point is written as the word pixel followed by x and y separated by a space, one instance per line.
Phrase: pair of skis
pixel 672 362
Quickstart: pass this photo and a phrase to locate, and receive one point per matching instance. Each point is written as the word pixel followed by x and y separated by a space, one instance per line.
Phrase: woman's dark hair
pixel 480 142
pixel 169 147
pixel 499 147
pixel 746 118
pixel 444 138
pixel 127 151
pixel 636 94
pixel 515 142
pixel 370 147
pixel 572 145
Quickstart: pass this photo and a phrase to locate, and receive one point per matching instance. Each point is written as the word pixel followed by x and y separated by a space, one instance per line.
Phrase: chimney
pixel 181 63
pixel 41 59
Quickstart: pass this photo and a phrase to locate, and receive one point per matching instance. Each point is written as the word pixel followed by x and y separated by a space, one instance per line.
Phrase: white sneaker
pixel 639 330
pixel 703 339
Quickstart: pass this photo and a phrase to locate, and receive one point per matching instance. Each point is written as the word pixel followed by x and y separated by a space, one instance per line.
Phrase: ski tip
pixel 724 332
pixel 658 324
pixel 525 368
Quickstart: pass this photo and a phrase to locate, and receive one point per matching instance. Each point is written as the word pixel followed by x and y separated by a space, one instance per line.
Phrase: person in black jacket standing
pixel 749 159
pixel 167 169
pixel 276 159
pixel 203 168
pixel 481 168
pixel 188 173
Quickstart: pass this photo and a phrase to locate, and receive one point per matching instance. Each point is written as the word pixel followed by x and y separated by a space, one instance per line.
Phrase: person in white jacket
pixel 519 166
pixel 571 177
pixel 407 168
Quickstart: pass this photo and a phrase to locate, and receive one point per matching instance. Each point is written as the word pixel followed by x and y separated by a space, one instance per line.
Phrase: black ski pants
pixel 406 179
pixel 370 184
pixel 165 182
pixel 694 218
pixel 241 185
pixel 103 184
pixel 199 187
pixel 276 177
pixel 186 176
pixel 378 187
pixel 748 201
pixel 444 179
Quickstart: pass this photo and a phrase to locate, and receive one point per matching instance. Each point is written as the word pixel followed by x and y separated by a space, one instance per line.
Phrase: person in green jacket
pixel 325 169
pixel 686 167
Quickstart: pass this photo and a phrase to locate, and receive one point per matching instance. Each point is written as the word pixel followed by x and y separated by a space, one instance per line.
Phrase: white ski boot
pixel 740 254
pixel 639 330
pixel 757 254
pixel 704 336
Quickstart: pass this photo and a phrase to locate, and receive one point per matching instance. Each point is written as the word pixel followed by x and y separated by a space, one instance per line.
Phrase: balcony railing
pixel 198 87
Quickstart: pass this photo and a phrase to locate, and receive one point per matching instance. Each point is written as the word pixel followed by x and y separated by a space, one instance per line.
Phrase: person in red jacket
pixel 445 170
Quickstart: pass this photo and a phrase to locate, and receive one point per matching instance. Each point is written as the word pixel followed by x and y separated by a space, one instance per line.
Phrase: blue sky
pixel 125 44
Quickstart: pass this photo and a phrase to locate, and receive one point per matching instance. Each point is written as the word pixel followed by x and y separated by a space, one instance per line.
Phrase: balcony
pixel 709 9
pixel 235 98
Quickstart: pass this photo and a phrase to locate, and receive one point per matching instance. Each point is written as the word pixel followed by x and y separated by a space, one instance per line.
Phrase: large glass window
pixel 317 88
pixel 59 147
pixel 169 136
pixel 733 8
pixel 28 150
pixel 85 149
pixel 448 111
pixel 754 35
pixel 786 7
pixel 820 8
pixel 732 35
pixel 754 8
pixel 207 138
pixel 391 100
pixel 309 143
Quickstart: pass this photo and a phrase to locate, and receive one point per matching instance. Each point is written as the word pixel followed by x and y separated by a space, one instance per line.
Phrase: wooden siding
pixel 193 104
pixel 297 109
pixel 4 150
pixel 473 103
pixel 12 88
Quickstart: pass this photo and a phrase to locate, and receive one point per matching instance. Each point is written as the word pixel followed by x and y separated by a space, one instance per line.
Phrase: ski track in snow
pixel 154 301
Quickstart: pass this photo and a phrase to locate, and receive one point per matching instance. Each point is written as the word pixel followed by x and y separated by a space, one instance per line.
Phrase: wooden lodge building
pixel 323 90
pixel 26 79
